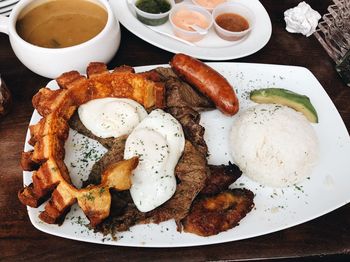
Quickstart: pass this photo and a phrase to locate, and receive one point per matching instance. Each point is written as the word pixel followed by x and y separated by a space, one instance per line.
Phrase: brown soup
pixel 232 22
pixel 61 23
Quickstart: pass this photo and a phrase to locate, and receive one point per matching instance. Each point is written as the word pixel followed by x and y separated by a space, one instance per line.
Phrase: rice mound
pixel 274 145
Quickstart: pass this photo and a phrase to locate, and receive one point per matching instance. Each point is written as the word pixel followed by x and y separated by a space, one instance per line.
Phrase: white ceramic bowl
pixel 192 36
pixel 52 62
pixel 235 8
pixel 207 5
pixel 149 18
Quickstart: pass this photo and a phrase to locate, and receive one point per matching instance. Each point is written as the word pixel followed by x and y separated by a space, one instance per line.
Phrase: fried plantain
pixel 212 215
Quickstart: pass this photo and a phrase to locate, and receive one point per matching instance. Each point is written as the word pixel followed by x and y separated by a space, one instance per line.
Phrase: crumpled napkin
pixel 301 19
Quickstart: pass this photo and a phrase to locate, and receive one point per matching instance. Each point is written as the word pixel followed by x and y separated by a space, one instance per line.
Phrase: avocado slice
pixel 300 103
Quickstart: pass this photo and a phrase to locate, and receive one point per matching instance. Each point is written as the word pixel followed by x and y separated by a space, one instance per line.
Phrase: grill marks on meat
pixel 215 214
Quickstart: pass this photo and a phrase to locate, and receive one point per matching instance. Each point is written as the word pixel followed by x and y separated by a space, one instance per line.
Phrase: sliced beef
pixel 124 214
pixel 113 155
pixel 192 173
pixel 181 94
pixel 194 132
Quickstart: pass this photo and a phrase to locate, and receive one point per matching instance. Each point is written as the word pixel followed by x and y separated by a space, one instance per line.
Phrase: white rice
pixel 274 145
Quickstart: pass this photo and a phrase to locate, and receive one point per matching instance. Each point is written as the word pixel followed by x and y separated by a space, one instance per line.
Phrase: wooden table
pixel 328 235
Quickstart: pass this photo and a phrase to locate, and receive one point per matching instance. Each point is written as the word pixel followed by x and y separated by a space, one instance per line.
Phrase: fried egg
pixel 111 117
pixel 158 141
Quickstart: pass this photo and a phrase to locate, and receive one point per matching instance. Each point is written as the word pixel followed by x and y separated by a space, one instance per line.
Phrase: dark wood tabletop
pixel 325 237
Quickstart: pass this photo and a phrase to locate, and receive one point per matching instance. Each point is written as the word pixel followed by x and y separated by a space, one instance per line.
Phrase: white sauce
pixel 111 117
pixel 159 142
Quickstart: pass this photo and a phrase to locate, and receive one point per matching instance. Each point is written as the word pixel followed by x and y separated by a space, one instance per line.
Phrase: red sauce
pixel 232 22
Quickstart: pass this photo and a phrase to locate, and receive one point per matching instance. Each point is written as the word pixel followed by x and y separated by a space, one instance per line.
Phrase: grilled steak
pixel 124 214
pixel 113 155
pixel 181 94
pixel 189 120
pixel 184 103
pixel 192 172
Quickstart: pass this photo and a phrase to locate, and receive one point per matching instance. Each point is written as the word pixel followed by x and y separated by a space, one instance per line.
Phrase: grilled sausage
pixel 207 81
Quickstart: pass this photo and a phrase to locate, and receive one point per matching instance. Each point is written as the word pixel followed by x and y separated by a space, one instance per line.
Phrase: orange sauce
pixel 232 22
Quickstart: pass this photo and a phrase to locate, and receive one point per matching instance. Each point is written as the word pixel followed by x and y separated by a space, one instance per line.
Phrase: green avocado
pixel 300 103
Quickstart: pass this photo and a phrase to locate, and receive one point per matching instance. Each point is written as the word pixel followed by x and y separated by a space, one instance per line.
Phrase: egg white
pixel 111 117
pixel 159 142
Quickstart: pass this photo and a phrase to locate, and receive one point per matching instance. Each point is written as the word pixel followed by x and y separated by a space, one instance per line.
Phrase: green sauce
pixel 153 6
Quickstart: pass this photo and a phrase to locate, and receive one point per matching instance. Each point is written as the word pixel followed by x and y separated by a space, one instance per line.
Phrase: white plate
pixel 275 209
pixel 211 47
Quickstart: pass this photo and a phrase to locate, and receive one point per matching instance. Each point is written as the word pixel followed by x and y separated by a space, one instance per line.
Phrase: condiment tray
pixel 212 47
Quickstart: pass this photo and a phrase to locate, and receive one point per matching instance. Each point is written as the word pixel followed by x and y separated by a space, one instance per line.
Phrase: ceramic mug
pixel 52 62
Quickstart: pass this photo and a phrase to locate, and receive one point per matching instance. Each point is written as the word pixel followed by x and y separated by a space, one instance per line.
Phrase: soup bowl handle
pixel 4 24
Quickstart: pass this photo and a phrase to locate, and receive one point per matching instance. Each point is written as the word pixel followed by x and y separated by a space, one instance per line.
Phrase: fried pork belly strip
pixel 95 201
pixel 47 137
pixel 45 179
pixel 212 215
pixel 27 163
pixel 52 124
pixel 76 89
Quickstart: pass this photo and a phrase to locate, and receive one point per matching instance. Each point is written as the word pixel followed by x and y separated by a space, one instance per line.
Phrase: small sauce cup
pixel 52 62
pixel 149 18
pixel 233 8
pixel 190 35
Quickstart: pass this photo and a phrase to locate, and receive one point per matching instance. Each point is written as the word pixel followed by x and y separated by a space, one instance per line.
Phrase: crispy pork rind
pixel 95 200
pixel 50 175
pixel 76 90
